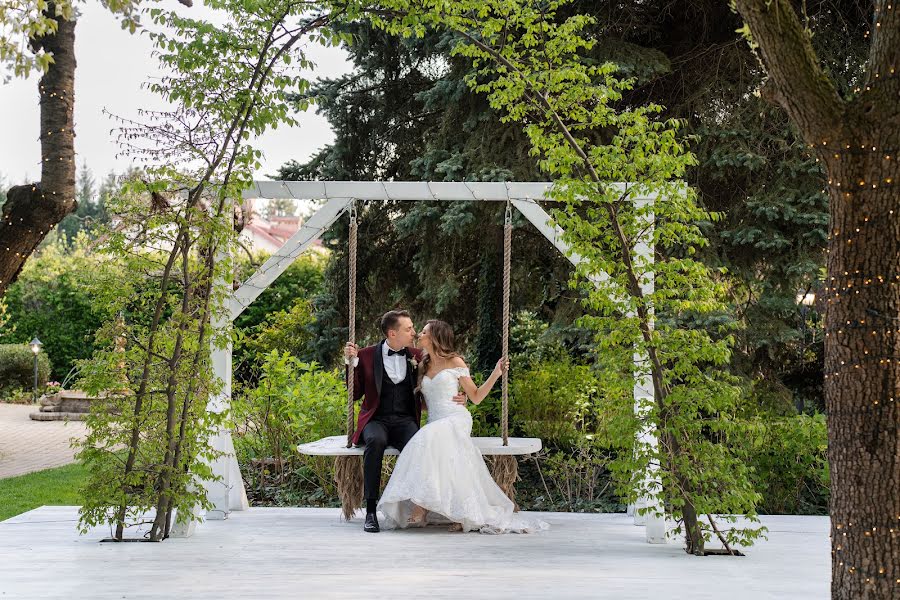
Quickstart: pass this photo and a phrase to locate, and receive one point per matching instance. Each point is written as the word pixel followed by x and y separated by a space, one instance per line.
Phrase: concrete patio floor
pixel 311 553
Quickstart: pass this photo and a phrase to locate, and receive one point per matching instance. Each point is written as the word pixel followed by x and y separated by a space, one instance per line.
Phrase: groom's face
pixel 403 335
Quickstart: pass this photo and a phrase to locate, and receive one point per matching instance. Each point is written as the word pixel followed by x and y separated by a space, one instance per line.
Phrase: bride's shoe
pixel 455 527
pixel 417 518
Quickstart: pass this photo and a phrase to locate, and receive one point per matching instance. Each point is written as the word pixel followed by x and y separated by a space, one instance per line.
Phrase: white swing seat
pixel 336 445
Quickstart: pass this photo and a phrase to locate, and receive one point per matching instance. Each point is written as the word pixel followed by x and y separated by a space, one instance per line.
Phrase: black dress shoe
pixel 371 525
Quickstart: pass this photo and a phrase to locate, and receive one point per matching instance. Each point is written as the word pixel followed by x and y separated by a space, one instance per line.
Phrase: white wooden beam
pixel 287 254
pixel 399 190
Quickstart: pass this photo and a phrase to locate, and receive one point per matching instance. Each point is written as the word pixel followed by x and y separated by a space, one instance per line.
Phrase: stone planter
pixel 71 405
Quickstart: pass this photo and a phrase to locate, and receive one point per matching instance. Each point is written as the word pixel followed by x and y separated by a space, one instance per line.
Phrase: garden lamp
pixel 35 348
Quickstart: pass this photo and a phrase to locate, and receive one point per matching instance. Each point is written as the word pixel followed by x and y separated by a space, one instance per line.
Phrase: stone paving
pixel 27 446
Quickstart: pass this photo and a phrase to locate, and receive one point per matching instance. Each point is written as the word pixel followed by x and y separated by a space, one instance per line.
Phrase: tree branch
pixel 796 80
pixel 884 53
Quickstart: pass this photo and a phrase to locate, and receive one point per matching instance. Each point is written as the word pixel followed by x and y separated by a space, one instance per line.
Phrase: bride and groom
pixel 440 476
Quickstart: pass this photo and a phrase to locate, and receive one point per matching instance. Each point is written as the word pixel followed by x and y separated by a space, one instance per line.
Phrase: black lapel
pixel 410 374
pixel 379 368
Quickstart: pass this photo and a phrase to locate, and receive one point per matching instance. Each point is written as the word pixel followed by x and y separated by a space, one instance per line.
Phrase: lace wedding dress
pixel 441 470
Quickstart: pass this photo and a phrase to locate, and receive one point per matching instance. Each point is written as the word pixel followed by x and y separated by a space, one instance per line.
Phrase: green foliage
pixel 578 477
pixel 24 21
pixel 227 82
pixel 17 371
pixel 303 279
pixel 557 402
pixel 285 331
pixel 53 300
pixel 91 211
pixel 292 403
pixel 281 318
pixel 789 462
pixel 531 68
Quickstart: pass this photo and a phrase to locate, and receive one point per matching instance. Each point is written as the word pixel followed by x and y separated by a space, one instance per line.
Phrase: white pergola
pixel 228 494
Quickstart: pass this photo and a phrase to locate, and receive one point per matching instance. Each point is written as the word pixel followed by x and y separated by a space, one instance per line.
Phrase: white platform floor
pixel 311 553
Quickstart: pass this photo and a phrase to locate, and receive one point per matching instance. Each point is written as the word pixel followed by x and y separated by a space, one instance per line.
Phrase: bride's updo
pixel 442 342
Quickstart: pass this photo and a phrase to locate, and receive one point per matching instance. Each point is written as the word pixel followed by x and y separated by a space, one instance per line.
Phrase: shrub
pixel 53 300
pixel 789 464
pixel 555 401
pixel 17 370
pixel 292 403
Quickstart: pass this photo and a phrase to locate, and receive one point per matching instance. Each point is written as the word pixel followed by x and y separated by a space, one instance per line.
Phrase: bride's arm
pixel 477 394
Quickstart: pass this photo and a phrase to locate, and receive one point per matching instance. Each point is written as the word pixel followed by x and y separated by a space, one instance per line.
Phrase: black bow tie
pixel 401 352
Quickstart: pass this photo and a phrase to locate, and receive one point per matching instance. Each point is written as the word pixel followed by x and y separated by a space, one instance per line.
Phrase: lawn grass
pixel 59 486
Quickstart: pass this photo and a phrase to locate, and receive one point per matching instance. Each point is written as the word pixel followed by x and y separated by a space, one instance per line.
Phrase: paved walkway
pixel 27 446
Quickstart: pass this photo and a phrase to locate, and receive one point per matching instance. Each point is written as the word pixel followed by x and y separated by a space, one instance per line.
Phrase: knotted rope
pixel 505 468
pixel 507 258
pixel 348 469
pixel 351 416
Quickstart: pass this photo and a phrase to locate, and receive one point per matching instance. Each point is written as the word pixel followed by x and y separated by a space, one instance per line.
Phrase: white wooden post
pixel 227 493
pixel 654 520
pixel 643 385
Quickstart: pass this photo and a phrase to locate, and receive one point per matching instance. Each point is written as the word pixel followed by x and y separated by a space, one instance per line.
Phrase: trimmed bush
pixel 17 369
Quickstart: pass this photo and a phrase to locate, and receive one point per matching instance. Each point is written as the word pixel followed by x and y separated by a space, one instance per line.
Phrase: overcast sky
pixel 112 65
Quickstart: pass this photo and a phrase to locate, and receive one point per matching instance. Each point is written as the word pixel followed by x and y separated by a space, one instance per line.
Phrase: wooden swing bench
pixel 336 445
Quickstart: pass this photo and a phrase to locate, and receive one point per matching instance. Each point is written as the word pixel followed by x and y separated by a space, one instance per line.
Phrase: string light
pixel 870 573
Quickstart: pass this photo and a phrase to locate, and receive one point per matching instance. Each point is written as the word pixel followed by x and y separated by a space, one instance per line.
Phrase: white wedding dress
pixel 441 470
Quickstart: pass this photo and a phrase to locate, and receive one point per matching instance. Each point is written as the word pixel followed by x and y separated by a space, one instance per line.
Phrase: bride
pixel 440 476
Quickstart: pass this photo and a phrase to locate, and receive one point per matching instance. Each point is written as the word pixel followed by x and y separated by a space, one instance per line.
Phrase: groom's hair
pixel 391 318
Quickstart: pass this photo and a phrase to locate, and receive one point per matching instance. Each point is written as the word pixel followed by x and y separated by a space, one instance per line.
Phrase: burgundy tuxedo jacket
pixel 367 378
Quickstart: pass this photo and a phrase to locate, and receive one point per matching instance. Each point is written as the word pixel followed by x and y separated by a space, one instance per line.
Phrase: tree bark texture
pixel 857 140
pixel 31 210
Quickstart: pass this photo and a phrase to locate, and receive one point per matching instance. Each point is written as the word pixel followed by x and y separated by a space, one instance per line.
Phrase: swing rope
pixel 348 474
pixel 351 416
pixel 507 259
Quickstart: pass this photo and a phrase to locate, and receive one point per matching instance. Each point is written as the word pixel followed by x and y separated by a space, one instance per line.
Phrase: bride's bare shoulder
pixel 457 361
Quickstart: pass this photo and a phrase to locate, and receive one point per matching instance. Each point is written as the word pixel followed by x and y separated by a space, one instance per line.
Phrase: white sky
pixel 112 65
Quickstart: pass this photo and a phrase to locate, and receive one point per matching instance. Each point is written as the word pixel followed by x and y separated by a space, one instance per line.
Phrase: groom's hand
pixel 460 399
pixel 350 350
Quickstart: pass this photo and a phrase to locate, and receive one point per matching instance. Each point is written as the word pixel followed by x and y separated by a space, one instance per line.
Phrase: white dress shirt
pixel 394 366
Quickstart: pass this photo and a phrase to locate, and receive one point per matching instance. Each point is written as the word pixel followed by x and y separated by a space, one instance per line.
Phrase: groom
pixel 386 376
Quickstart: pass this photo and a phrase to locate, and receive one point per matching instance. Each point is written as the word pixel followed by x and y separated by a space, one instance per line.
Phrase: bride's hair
pixel 442 343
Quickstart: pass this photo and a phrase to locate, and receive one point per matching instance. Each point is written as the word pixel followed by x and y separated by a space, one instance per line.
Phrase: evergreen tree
pixel 405 113
pixel 91 210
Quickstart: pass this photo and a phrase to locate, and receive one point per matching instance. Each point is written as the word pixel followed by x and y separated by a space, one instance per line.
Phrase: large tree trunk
pixel 31 210
pixel 862 370
pixel 857 140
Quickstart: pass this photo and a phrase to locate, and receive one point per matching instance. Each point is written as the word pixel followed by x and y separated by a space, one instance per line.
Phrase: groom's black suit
pixel 396 414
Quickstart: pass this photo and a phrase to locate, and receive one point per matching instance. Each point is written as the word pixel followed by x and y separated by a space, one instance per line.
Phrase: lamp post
pixel 35 349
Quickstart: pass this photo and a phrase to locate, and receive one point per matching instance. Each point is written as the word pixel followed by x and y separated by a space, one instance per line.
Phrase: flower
pixel 413 362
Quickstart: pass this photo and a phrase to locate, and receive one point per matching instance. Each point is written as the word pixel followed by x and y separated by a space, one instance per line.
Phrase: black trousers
pixel 378 434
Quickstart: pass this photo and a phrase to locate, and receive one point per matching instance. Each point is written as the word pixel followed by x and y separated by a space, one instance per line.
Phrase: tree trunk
pixel 862 371
pixel 31 210
pixel 857 140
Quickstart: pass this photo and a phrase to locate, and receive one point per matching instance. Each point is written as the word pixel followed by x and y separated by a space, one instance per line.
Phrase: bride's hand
pixel 461 398
pixel 502 366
